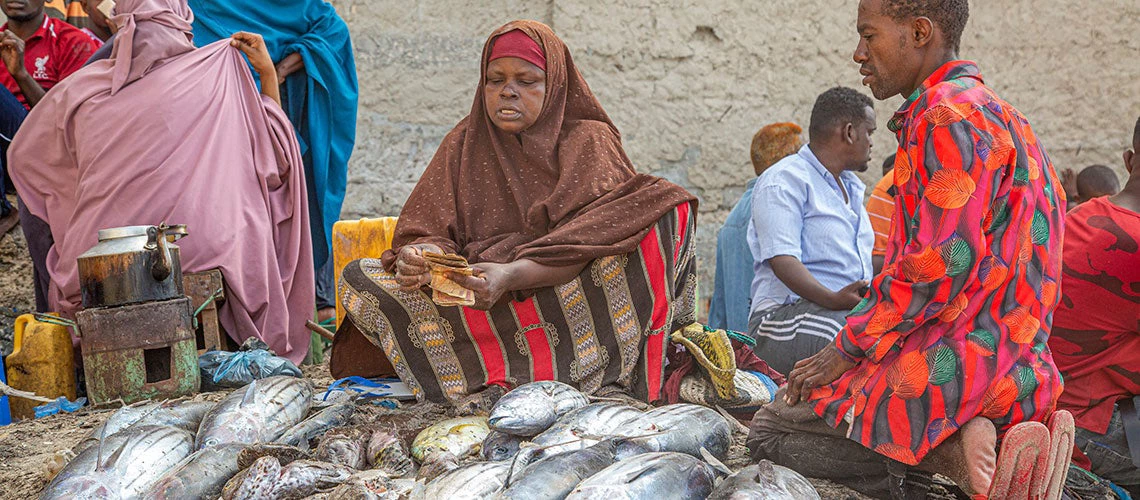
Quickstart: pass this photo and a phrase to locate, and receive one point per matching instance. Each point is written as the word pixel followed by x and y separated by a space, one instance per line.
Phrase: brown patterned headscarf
pixel 561 192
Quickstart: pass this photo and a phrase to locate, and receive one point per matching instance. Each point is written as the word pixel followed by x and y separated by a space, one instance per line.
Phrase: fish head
pixel 500 446
pixel 526 414
pixel 633 446
pixel 342 450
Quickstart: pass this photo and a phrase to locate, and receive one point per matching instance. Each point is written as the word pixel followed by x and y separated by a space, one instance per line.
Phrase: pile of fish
pixel 541 440
pixel 546 440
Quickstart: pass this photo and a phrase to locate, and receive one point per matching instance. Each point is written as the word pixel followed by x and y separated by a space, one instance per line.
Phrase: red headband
pixel 515 43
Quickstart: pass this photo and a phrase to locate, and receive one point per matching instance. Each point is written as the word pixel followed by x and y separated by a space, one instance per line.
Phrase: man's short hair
pixel 1136 134
pixel 949 15
pixel 838 105
pixel 1097 180
pixel 889 163
pixel 773 142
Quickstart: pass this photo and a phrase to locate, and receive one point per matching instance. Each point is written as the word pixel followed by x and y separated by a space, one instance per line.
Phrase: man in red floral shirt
pixel 949 349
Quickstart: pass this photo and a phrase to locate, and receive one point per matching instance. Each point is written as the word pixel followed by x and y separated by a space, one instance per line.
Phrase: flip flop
pixel 1061 436
pixel 1022 463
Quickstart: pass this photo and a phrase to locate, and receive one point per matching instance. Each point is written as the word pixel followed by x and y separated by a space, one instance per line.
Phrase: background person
pixel 312 50
pixel 731 299
pixel 1096 328
pixel 810 236
pixel 229 167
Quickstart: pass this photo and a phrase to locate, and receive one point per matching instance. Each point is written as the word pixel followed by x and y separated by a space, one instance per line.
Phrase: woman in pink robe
pixel 164 132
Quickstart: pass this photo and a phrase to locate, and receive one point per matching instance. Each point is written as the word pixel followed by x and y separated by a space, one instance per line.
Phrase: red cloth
pixel 515 43
pixel 1096 328
pixel 53 52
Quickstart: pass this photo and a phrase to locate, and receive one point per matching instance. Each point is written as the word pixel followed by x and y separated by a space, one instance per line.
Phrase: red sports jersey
pixel 56 50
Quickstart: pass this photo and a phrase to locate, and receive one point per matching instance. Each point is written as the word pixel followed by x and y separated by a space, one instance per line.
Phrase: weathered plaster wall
pixel 689 82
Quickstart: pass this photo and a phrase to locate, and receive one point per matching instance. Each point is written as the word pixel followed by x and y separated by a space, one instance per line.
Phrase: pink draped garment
pixel 163 132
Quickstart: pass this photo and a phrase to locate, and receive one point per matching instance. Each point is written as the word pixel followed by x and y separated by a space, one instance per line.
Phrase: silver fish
pixel 683 428
pixel 585 427
pixel 266 479
pixel 311 428
pixel 532 408
pixel 476 481
pixel 462 436
pixel 500 446
pixel 179 413
pixel 556 476
pixel 125 465
pixel 765 481
pixel 200 475
pixel 258 413
pixel 651 476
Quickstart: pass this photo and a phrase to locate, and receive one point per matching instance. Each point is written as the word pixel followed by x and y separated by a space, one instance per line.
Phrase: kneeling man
pixel 949 351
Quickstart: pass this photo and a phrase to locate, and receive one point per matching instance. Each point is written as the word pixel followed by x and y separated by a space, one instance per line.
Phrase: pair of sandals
pixel 1034 460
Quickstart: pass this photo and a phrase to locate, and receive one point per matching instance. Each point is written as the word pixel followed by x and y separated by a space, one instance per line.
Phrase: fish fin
pixel 736 425
pixel 103 465
pixel 250 394
pixel 713 461
pixel 102 439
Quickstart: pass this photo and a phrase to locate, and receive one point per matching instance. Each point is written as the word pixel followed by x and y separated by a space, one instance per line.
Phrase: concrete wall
pixel 689 82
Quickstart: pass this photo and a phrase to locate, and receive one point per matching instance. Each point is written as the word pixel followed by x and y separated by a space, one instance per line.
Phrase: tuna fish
pixel 500 446
pixel 651 476
pixel 476 481
pixel 765 481
pixel 556 476
pixel 179 413
pixel 258 413
pixel 200 475
pixel 585 427
pixel 461 437
pixel 313 427
pixel 683 428
pixel 266 479
pixel 532 408
pixel 124 466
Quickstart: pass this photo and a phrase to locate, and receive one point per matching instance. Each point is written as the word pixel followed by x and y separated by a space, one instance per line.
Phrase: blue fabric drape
pixel 320 101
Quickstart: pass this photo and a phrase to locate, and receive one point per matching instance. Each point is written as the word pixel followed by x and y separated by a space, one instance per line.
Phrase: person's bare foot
pixel 969 457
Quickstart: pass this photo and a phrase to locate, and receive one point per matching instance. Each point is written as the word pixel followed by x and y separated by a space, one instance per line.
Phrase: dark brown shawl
pixel 560 193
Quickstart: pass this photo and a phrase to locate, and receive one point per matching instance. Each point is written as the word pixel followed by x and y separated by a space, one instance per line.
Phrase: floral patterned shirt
pixel 956 326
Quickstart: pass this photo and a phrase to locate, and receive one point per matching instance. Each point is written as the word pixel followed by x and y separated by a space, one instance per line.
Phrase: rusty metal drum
pixel 130 265
pixel 139 351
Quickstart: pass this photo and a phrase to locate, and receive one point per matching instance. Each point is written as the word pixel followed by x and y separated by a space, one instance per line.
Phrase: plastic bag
pixel 60 404
pixel 222 369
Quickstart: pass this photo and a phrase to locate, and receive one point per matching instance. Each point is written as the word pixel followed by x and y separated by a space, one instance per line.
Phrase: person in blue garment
pixel 731 299
pixel 311 47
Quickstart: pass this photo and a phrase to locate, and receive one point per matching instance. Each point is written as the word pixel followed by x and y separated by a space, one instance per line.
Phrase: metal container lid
pixel 122 232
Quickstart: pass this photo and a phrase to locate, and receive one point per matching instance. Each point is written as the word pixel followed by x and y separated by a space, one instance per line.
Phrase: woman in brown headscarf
pixel 582 266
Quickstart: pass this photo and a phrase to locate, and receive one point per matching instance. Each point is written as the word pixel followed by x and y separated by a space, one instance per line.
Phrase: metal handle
pixel 156 244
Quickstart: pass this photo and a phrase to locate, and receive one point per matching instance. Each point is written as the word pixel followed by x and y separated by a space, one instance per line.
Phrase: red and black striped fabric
pixel 609 326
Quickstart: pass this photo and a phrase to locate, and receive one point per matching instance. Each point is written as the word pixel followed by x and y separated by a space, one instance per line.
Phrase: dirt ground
pixel 16 294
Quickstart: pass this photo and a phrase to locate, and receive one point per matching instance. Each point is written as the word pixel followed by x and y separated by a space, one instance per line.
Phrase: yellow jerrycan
pixel 42 362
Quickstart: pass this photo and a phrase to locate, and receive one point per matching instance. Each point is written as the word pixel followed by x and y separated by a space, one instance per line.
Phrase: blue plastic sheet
pixel 237 369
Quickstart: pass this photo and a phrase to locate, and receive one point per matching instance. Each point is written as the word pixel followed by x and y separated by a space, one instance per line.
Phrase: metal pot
pixel 132 264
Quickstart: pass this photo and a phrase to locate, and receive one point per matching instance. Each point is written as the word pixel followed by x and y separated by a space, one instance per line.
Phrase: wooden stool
pixel 203 290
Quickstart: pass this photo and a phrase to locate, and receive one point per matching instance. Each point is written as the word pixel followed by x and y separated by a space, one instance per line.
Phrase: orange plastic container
pixel 42 362
pixel 359 239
